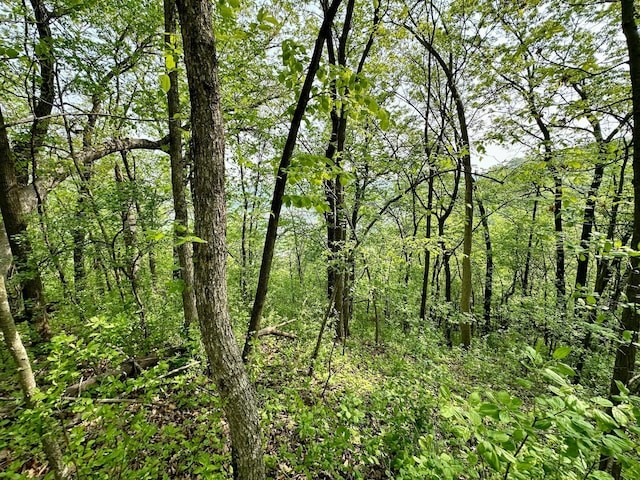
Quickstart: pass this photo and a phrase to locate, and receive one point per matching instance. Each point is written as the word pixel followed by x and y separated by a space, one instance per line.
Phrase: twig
pixel 109 400
pixel 178 370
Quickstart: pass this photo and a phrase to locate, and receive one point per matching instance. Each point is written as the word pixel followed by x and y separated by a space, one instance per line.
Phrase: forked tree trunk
pixel 606 268
pixel 281 180
pixel 465 294
pixel 14 176
pixel 15 223
pixel 210 258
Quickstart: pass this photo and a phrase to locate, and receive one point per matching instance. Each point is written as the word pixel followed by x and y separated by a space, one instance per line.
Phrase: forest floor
pixel 368 412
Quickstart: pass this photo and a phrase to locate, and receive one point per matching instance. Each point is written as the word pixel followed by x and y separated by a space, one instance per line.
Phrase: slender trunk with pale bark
pixel 51 438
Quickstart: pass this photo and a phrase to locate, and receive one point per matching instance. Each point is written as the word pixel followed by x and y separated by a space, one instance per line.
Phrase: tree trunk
pixel 181 226
pixel 625 361
pixel 488 277
pixel 589 216
pixel 13 177
pixel 605 270
pixel 236 391
pixel 15 224
pixel 526 288
pixel 49 436
pixel 465 298
pixel 281 180
pixel 130 231
pixel 427 252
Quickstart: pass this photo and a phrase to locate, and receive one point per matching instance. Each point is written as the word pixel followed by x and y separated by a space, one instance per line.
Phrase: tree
pixel 465 152
pixel 51 439
pixel 207 153
pixel 625 361
pixel 281 179
pixel 181 228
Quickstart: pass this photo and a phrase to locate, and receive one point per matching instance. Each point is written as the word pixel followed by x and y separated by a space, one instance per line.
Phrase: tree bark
pixel 181 227
pixel 625 362
pixel 15 224
pixel 488 277
pixel 427 252
pixel 526 288
pixel 281 180
pixel 50 443
pixel 130 234
pixel 465 295
pixel 236 391
pixel 605 270
pixel 14 175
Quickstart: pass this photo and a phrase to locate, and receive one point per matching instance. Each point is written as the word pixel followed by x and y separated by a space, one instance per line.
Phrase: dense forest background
pixel 271 239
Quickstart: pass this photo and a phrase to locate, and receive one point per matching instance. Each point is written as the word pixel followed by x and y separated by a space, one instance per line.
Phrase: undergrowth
pixel 409 408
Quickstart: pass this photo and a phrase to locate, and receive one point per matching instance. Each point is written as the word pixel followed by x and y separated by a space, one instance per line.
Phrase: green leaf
pixel 616 444
pixel 600 475
pixel 603 402
pixel 605 421
pixel 226 12
pixel 165 82
pixel 489 410
pixel 169 62
pixel 561 352
pixel 12 53
pixel 553 377
pixel 503 397
pixel 563 369
pixel 383 115
pixel 619 416
pixel 474 398
pixel 189 239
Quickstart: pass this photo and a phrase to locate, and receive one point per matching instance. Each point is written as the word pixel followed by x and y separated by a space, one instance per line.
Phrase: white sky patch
pixel 496 154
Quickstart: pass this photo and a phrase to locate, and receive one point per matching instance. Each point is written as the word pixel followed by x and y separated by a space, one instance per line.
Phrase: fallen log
pixel 274 330
pixel 130 368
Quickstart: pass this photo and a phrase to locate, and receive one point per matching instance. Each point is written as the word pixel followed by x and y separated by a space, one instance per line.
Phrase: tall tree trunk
pixel 181 227
pixel 488 277
pixel 427 251
pixel 15 224
pixel 14 176
pixel 130 233
pixel 281 179
pixel 605 271
pixel 210 258
pixel 526 288
pixel 50 438
pixel 465 295
pixel 244 255
pixel 625 361
pixel 589 216
pixel 341 264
